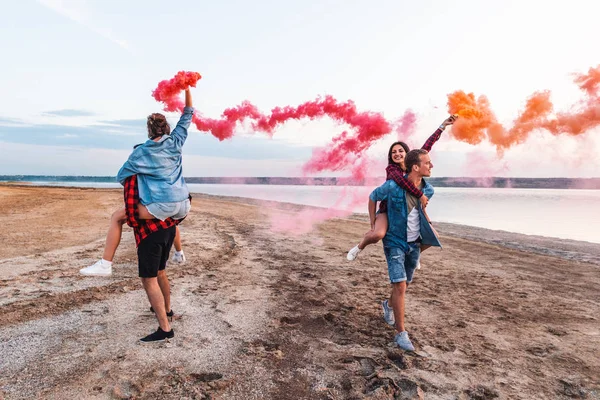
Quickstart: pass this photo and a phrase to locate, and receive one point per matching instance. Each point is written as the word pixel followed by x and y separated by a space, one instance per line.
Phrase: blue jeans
pixel 401 265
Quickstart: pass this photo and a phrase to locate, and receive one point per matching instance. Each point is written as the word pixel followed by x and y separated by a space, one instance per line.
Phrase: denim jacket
pixel 158 165
pixel 397 213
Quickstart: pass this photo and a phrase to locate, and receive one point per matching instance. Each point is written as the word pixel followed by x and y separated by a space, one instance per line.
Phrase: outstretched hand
pixel 449 121
pixel 188 98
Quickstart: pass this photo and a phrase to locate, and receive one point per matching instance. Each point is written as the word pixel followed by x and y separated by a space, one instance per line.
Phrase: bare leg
pixel 165 288
pixel 177 241
pixel 157 300
pixel 376 234
pixel 113 237
pixel 397 301
pixel 143 212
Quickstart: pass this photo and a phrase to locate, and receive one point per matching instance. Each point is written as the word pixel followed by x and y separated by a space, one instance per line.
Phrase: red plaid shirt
pixel 141 227
pixel 393 171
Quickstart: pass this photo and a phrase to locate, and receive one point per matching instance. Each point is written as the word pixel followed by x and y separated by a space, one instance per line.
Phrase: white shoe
pixel 388 313
pixel 178 257
pixel 100 268
pixel 403 341
pixel 353 253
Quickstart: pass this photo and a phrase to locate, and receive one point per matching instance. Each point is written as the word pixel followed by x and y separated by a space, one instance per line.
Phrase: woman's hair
pixel 157 126
pixel 404 146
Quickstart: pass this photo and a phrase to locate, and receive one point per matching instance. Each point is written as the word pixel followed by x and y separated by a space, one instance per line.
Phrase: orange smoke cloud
pixel 478 122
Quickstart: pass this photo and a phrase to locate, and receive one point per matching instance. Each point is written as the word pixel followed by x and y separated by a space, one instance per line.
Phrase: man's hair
pixel 157 126
pixel 412 158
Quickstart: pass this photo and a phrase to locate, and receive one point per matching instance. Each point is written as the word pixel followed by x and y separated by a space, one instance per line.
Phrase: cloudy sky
pixel 76 77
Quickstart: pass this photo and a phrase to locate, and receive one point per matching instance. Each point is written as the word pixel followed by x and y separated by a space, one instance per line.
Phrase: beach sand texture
pixel 274 316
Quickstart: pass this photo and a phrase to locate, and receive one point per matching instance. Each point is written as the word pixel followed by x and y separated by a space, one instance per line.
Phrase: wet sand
pixel 274 316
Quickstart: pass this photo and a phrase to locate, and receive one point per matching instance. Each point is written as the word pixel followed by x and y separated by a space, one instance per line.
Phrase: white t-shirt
pixel 413 225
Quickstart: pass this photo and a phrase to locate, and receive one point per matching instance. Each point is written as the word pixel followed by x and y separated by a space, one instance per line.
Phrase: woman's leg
pixel 373 236
pixel 177 241
pixel 377 233
pixel 113 237
pixel 143 212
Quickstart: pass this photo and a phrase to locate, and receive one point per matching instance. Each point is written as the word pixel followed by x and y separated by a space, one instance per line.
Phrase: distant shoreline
pixel 462 182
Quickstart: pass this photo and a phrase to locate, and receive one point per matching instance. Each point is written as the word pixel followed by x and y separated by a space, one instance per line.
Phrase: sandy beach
pixel 259 315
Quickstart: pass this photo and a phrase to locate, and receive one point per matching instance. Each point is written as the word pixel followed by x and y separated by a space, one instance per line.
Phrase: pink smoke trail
pixel 304 221
pixel 365 127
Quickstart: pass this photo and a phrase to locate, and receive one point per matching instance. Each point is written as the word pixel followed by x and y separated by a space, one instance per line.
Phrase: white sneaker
pixel 388 313
pixel 403 341
pixel 100 268
pixel 178 257
pixel 353 253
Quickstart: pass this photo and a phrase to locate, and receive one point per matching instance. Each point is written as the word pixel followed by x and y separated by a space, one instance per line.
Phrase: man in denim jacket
pixel 409 228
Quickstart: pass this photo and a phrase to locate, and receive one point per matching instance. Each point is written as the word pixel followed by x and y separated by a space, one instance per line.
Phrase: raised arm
pixel 181 130
pixel 438 132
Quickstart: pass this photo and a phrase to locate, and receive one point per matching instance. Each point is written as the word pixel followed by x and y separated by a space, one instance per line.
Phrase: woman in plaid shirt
pixel 396 171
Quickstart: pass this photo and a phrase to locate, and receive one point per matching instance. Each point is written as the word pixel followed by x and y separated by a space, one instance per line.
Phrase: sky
pixel 77 76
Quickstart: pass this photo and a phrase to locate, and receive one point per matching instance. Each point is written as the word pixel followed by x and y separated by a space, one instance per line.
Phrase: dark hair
pixel 413 158
pixel 157 126
pixel 404 146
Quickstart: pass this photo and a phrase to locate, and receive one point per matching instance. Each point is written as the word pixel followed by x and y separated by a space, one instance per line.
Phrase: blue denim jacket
pixel 158 165
pixel 397 213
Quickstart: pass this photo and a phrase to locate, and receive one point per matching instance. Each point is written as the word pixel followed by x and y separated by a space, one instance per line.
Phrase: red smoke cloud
pixel 478 122
pixel 168 91
pixel 365 127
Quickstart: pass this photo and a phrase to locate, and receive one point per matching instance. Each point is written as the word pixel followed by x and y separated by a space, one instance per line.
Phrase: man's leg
pixel 165 288
pixel 153 253
pixel 397 301
pixel 396 259
pixel 157 300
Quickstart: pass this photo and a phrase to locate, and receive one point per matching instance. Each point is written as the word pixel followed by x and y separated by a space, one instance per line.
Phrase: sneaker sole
pixel 167 340
pixel 86 274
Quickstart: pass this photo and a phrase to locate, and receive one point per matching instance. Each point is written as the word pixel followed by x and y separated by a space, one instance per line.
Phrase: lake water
pixel 567 214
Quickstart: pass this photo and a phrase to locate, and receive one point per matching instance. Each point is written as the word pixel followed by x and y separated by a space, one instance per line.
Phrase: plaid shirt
pixel 141 227
pixel 393 171
pixel 432 139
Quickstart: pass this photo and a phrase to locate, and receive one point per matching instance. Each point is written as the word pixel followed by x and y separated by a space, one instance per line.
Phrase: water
pixel 561 213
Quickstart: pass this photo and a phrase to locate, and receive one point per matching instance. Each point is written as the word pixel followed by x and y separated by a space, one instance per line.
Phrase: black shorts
pixel 153 252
